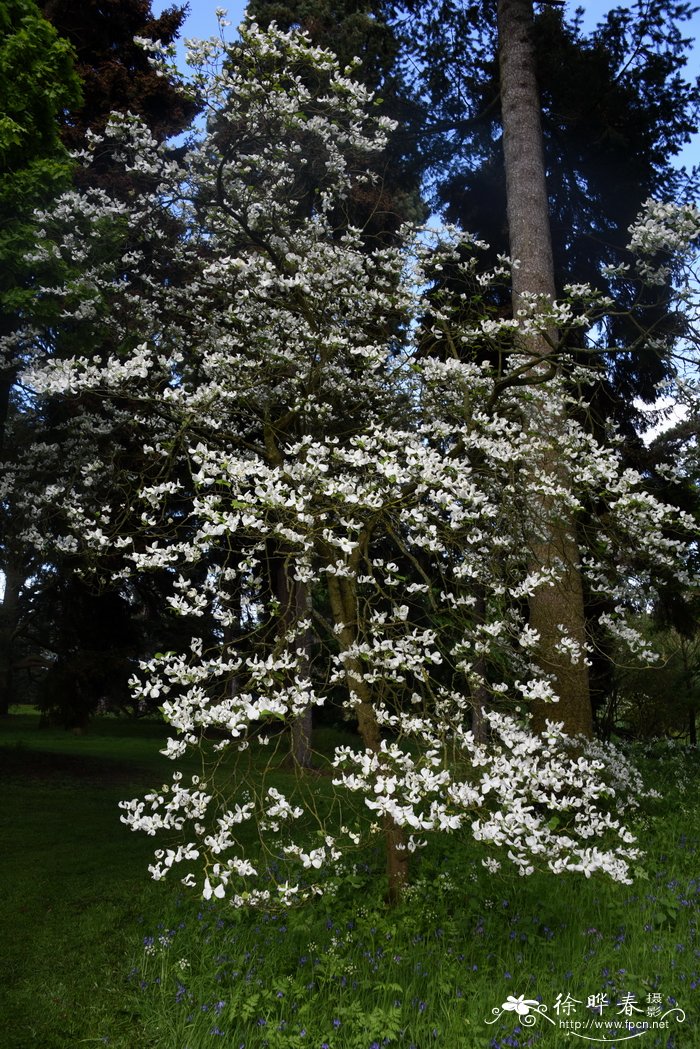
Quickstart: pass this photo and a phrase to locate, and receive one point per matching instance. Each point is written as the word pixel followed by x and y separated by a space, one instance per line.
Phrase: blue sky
pixel 201 22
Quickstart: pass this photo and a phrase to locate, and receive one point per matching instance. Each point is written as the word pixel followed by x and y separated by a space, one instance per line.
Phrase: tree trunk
pixel 292 599
pixel 343 607
pixel 302 726
pixel 9 614
pixel 558 607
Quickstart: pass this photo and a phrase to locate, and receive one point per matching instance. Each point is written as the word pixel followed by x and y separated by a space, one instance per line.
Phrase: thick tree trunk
pixel 558 607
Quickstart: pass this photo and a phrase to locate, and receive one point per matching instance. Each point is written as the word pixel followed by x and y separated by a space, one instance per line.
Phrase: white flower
pixel 520 1005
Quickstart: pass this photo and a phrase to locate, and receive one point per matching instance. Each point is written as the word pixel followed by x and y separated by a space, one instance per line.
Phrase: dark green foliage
pixel 350 28
pixel 89 641
pixel 38 85
pixel 115 69
pixel 96 639
pixel 616 112
pixel 361 29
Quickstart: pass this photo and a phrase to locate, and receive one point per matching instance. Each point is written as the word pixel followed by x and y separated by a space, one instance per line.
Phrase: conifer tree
pixel 38 85
pixel 615 112
pixel 116 76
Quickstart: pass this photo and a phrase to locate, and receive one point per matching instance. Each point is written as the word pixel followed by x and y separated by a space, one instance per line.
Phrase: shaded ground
pixel 73 882
pixel 17 762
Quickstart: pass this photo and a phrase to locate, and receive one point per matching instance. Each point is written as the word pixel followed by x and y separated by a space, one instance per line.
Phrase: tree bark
pixel 343 607
pixel 9 618
pixel 302 726
pixel 561 606
pixel 291 596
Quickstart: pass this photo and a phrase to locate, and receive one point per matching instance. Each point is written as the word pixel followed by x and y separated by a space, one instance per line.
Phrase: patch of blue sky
pixel 202 23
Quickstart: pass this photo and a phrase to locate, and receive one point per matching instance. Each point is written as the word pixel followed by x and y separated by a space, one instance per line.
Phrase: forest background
pixel 57 616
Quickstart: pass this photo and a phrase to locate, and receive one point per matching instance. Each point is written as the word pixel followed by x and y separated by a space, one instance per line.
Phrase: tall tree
pixel 38 85
pixel 555 607
pixel 360 31
pixel 615 111
pixel 114 68
pixel 396 485
pixel 117 77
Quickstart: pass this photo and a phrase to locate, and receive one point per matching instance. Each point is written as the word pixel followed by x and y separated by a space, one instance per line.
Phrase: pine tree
pixel 37 84
pixel 116 76
pixel 558 606
pixel 361 30
pixel 616 111
pixel 114 68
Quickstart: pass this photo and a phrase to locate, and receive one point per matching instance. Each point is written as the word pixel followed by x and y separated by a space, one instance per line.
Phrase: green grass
pixel 349 974
pixel 96 954
pixel 73 884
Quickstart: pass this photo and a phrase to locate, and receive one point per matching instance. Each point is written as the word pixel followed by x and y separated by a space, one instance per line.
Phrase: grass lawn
pixel 94 953
pixel 72 880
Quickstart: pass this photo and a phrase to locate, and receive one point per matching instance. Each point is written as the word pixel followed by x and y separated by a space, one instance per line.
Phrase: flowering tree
pixel 347 515
pixel 38 83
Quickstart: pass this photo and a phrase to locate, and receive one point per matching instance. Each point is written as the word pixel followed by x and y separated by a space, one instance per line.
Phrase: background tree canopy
pixel 616 111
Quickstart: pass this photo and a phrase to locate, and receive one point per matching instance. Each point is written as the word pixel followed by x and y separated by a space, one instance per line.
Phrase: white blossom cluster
pixel 664 229
pixel 345 517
